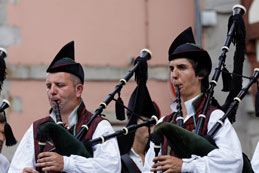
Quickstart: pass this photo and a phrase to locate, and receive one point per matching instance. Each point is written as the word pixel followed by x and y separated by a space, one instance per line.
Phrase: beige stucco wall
pixel 104 31
pixel 107 35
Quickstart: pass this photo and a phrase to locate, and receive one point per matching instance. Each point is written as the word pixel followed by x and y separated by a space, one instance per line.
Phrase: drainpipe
pixel 198 27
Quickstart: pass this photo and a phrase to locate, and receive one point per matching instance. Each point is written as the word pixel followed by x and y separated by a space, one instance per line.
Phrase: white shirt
pixel 106 156
pixel 4 164
pixel 136 158
pixel 226 158
pixel 255 159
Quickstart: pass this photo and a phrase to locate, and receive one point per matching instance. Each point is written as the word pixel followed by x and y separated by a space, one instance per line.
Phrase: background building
pixel 108 36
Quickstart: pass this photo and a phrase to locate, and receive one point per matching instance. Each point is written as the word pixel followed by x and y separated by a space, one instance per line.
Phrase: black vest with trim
pixel 198 105
pixel 83 117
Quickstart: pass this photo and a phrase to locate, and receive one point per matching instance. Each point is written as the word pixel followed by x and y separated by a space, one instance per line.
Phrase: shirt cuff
pixel 68 164
pixel 188 165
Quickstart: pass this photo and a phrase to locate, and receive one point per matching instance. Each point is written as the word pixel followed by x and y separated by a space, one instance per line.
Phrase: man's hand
pixel 50 161
pixel 167 164
pixel 29 170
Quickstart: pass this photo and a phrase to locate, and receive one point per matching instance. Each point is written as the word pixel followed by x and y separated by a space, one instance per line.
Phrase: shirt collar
pixel 188 105
pixel 132 152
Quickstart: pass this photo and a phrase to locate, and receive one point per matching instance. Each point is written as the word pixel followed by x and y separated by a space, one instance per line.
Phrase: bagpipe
pixel 145 55
pixel 185 143
pixel 179 116
pixel 124 131
pixel 237 29
pixel 66 144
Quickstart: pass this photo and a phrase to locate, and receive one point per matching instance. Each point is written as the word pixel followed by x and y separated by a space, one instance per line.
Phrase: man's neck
pixel 65 115
pixel 65 120
pixel 189 97
pixel 139 149
pixel 183 102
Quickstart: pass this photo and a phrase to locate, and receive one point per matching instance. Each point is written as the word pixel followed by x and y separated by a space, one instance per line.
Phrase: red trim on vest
pixel 124 167
pixel 189 124
pixel 137 168
pixel 83 117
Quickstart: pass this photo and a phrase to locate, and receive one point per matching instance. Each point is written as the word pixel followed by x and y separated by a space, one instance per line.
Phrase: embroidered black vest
pixel 198 105
pixel 83 117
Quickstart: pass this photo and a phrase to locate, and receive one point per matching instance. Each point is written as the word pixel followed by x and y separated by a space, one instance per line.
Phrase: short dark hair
pixel 202 72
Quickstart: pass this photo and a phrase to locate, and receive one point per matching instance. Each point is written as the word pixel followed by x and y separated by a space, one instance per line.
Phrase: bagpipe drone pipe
pixel 145 55
pixel 236 34
pixel 186 143
pixel 67 144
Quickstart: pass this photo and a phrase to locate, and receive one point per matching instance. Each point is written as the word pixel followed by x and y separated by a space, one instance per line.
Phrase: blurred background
pixel 108 37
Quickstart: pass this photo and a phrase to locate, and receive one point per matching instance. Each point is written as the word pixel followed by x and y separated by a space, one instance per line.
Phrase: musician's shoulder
pixel 216 114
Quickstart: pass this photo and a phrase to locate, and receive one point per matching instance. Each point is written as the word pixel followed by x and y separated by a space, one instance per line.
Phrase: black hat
pixel 65 62
pixel 140 104
pixel 184 46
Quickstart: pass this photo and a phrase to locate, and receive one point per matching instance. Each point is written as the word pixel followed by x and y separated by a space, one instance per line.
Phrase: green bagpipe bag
pixel 185 143
pixel 65 143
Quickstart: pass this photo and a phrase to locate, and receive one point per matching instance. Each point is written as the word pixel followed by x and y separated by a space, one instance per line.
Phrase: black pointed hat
pixel 64 61
pixel 184 46
pixel 140 104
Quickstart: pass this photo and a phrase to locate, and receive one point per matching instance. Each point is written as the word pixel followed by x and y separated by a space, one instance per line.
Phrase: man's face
pixel 142 133
pixel 183 76
pixel 60 88
pixel 2 136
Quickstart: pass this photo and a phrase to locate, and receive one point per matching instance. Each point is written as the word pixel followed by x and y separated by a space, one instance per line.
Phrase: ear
pixel 79 90
pixel 200 77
